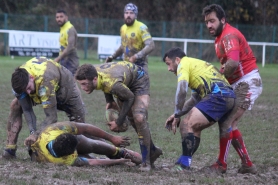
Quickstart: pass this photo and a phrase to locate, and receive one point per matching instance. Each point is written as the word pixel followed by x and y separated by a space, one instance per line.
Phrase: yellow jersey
pixel 46 77
pixel 64 35
pixel 201 76
pixel 48 134
pixel 133 37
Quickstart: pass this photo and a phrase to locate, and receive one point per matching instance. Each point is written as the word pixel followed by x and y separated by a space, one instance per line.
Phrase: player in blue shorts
pixel 212 100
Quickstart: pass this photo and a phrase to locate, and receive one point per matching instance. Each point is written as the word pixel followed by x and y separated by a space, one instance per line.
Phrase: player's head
pixel 130 13
pixel 64 144
pixel 22 81
pixel 172 58
pixel 87 76
pixel 215 18
pixel 61 17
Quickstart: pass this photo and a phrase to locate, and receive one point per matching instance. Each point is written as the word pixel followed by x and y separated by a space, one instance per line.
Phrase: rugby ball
pixel 113 115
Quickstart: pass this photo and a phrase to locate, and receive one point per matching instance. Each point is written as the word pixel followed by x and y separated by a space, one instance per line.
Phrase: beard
pixel 129 21
pixel 218 30
pixel 61 23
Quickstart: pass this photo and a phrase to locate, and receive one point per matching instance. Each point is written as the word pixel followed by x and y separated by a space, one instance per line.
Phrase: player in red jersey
pixel 238 64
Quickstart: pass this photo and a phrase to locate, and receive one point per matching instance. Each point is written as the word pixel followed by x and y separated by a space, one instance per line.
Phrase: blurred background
pixel 256 19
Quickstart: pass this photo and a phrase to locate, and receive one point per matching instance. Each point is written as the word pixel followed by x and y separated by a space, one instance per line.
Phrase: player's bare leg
pixel 140 114
pixel 86 146
pixel 14 126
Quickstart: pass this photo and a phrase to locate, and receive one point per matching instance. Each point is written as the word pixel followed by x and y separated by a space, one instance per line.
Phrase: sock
pixel 117 151
pixel 239 146
pixel 143 148
pixel 224 146
pixel 188 148
pixel 197 143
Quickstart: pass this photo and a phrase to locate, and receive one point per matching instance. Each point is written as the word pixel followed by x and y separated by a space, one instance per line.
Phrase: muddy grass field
pixel 259 128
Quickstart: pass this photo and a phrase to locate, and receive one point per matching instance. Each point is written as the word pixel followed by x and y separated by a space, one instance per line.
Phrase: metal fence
pixel 163 29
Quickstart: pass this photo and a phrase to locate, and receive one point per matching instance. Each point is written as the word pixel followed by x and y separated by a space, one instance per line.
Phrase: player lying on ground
pixel 66 143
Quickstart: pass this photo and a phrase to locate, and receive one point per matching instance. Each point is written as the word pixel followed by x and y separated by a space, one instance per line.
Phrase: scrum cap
pixel 131 7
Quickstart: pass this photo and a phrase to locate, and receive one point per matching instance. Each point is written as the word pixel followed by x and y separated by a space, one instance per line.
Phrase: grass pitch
pixel 259 128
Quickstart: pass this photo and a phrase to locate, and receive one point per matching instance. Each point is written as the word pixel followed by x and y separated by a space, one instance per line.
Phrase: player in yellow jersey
pixel 129 83
pixel 68 40
pixel 66 143
pixel 136 40
pixel 212 100
pixel 41 81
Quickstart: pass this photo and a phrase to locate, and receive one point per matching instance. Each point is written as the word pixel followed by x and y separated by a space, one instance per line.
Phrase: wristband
pixel 32 132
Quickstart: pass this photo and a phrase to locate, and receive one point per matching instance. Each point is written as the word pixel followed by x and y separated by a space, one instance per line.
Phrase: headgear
pixel 131 7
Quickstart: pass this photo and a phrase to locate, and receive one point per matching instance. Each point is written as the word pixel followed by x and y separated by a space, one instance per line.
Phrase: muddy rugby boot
pixel 217 168
pixel 9 153
pixel 145 167
pixel 247 169
pixel 154 155
pixel 129 154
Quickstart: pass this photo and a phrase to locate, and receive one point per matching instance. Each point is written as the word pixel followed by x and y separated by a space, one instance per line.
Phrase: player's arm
pixel 90 130
pixel 81 161
pixel 232 51
pixel 117 53
pixel 126 96
pixel 27 107
pixel 180 98
pixel 71 44
pixel 149 47
pixel 191 102
pixel 50 116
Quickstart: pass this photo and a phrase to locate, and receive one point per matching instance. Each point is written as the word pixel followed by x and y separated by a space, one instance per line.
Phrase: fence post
pixel 163 35
pixel 273 40
pixel 5 34
pixel 200 44
pixel 45 23
pixel 86 38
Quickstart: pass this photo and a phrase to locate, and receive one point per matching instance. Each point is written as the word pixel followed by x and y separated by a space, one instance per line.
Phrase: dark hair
pixel 61 11
pixel 65 144
pixel 173 53
pixel 220 13
pixel 86 71
pixel 20 80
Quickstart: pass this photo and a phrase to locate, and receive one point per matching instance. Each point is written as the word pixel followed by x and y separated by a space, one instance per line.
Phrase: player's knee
pixel 140 115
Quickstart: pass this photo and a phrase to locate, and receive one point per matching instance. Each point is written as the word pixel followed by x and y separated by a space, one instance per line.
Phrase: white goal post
pixel 184 41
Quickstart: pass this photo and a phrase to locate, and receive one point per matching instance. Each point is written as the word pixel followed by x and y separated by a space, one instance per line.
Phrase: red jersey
pixel 231 39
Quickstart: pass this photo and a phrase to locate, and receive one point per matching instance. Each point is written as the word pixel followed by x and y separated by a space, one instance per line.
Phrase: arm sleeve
pixel 126 96
pixel 27 107
pixel 149 47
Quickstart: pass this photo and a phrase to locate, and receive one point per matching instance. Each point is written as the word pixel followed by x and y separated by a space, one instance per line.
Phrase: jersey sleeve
pixel 145 32
pixel 47 93
pixel 230 43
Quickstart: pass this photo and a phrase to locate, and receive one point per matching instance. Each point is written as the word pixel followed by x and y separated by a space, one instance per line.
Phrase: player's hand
pixel 121 141
pixel 56 60
pixel 222 68
pixel 30 140
pixel 172 123
pixel 109 59
pixel 132 59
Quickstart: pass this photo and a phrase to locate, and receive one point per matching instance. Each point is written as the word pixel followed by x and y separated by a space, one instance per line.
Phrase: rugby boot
pixel 145 167
pixel 217 168
pixel 135 157
pixel 154 155
pixel 9 153
pixel 247 169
